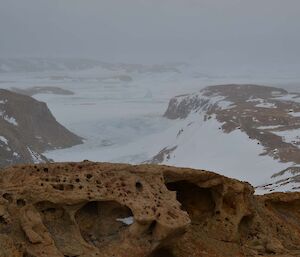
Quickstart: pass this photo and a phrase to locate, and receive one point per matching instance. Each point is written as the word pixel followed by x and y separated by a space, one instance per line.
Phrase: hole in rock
pixel 59 187
pixel 21 202
pixel 162 252
pixel 89 176
pixel 8 197
pixel 26 254
pixel 139 186
pixel 198 202
pixel 2 221
pixel 151 227
pixel 63 187
pixel 244 226
pixel 103 222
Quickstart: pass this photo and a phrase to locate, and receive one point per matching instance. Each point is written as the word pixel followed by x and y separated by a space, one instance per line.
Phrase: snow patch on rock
pixel 127 221
pixel 4 140
pixel 36 158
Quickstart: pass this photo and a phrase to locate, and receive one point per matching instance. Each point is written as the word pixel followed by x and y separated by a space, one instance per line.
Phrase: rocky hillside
pixel 93 209
pixel 221 119
pixel 27 128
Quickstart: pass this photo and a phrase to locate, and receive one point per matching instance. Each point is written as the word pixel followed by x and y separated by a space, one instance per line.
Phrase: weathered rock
pixel 101 209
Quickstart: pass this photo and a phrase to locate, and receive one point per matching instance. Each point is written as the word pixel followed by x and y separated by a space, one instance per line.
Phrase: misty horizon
pixel 222 33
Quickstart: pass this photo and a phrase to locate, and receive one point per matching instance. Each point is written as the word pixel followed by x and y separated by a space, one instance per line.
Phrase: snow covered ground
pixel 233 155
pixel 121 119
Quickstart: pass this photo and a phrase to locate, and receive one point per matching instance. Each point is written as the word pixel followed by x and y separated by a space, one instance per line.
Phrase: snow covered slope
pixel 244 131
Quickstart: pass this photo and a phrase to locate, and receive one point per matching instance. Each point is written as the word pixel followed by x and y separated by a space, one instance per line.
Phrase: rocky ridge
pixel 102 209
pixel 268 116
pixel 27 128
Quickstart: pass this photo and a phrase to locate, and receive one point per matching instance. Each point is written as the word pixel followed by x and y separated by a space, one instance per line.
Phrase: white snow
pixel 4 140
pixel 289 97
pixel 216 100
pixel 276 93
pixel 226 104
pixel 16 154
pixel 261 103
pixel 283 183
pixel 205 145
pixel 36 158
pixel 127 221
pixel 295 114
pixel 254 100
pixel 286 186
pixel 266 105
pixel 289 136
pixel 11 120
pixel 270 127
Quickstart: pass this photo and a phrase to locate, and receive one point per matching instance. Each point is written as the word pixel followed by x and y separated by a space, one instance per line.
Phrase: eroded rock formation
pixel 100 209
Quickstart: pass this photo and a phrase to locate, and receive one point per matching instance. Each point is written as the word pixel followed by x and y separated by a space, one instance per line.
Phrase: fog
pixel 213 32
pixel 107 70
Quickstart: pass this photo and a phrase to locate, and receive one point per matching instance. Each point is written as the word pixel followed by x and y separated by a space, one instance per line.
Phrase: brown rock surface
pixel 100 209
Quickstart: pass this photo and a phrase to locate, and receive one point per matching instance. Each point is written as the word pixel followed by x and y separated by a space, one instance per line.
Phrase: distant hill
pixel 27 128
pixel 17 65
pixel 221 126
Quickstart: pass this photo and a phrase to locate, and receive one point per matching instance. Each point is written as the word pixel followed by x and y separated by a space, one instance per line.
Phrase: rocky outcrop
pixel 27 128
pixel 102 209
pixel 265 116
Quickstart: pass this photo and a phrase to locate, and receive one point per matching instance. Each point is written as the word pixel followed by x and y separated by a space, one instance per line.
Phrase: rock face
pixel 100 209
pixel 27 128
pixel 265 116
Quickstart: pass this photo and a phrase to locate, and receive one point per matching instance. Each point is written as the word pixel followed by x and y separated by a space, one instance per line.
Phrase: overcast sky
pixel 227 31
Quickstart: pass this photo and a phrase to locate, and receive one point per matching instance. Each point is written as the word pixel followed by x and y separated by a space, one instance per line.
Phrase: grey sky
pixel 264 31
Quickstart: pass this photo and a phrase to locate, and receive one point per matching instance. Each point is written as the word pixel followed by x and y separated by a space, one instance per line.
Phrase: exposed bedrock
pixel 100 209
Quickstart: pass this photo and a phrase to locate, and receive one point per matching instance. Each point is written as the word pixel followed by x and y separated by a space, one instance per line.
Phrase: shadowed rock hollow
pixel 100 209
